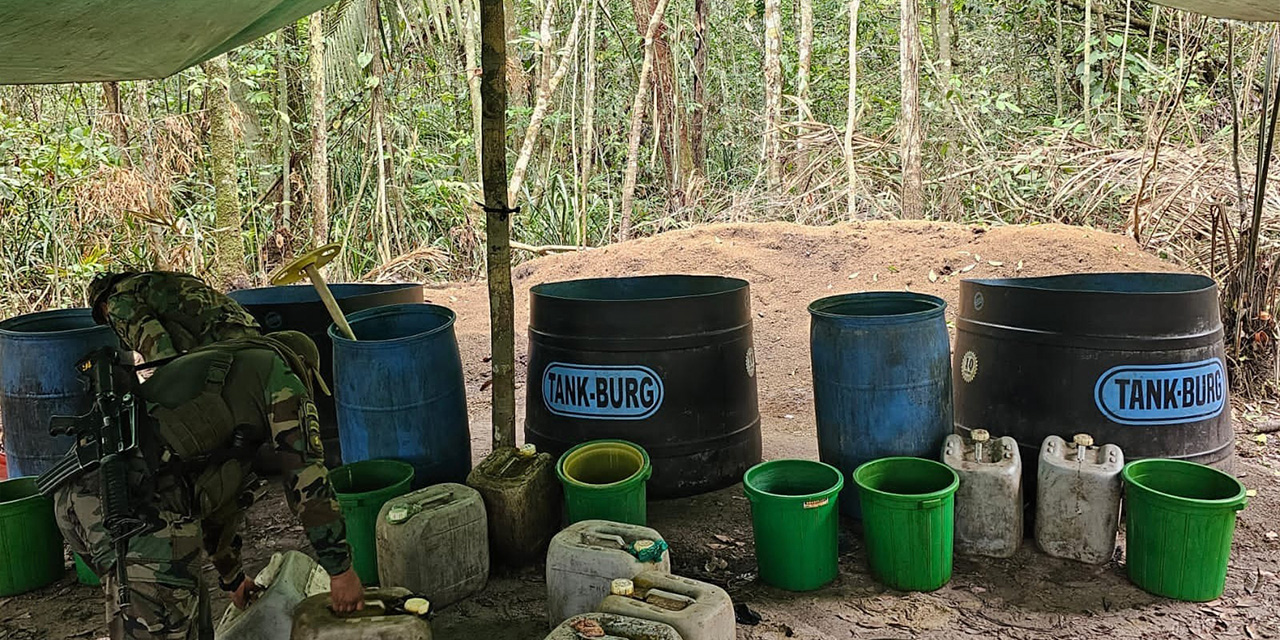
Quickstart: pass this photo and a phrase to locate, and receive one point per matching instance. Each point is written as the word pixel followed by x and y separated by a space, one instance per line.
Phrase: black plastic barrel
pixel 400 393
pixel 299 308
pixel 39 380
pixel 1133 359
pixel 663 361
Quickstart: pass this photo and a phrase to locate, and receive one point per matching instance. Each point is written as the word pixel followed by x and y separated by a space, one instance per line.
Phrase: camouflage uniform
pixel 162 314
pixel 201 507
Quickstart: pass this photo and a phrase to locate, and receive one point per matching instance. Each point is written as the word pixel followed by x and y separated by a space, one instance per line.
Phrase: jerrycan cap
pixel 1083 440
pixel 979 435
pixel 398 514
pixel 527 451
pixel 622 587
pixel 417 606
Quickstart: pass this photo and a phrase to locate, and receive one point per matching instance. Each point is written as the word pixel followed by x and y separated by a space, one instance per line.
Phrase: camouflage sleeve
pixel 223 543
pixel 138 328
pixel 295 430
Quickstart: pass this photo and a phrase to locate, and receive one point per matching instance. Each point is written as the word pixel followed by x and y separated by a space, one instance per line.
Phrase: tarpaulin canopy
pixel 1251 10
pixel 47 41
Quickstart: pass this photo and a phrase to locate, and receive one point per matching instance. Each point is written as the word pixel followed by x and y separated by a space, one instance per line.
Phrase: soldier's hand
pixel 243 594
pixel 346 594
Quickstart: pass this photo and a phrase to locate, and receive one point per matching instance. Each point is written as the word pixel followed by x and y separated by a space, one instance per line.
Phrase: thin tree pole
pixel 909 121
pixel 1059 76
pixel 638 107
pixel 319 133
pixel 1124 62
pixel 588 122
pixel 1088 65
pixel 493 92
pixel 772 92
pixel 701 9
pixel 851 121
pixel 473 78
pixel 545 93
pixel 286 128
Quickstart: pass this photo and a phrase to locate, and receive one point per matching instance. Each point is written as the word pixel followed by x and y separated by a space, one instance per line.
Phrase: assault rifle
pixel 105 439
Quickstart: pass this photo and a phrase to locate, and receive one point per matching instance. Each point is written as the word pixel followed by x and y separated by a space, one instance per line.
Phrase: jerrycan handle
pixel 373 608
pixel 608 537
pixel 667 595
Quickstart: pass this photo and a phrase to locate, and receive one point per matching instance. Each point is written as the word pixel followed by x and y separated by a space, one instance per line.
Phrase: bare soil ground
pixel 1027 596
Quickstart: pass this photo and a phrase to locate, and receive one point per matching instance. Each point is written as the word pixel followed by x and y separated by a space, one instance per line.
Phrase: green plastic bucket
pixel 84 573
pixel 796 523
pixel 605 480
pixel 362 488
pixel 30 542
pixel 1180 520
pixel 908 518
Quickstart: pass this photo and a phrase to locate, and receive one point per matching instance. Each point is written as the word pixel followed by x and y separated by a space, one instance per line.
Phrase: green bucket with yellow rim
pixel 605 480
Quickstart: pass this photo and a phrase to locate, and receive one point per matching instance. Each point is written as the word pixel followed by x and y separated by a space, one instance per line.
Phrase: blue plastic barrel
pixel 399 391
pixel 881 379
pixel 39 380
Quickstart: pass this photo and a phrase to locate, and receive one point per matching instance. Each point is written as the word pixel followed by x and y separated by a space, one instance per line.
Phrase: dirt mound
pixel 790 265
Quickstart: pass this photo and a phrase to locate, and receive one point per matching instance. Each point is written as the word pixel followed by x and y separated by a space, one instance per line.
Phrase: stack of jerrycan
pixel 989 501
pixel 287 580
pixel 584 558
pixel 696 610
pixel 522 500
pixel 591 625
pixel 434 542
pixel 385 617
pixel 1078 499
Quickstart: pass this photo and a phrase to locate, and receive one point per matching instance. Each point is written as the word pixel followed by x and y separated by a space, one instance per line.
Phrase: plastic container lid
pixel 1083 440
pixel 622 587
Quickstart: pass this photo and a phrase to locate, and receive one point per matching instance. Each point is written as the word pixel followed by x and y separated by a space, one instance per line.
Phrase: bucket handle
pixel 616 539
pixel 929 504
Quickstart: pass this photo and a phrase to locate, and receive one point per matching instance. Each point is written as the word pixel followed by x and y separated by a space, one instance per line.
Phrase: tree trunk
pixel 1059 79
pixel 228 261
pixel 319 134
pixel 493 91
pixel 951 189
pixel 473 79
pixel 851 123
pixel 638 108
pixel 115 116
pixel 772 93
pixel 547 90
pixel 673 140
pixel 909 122
pixel 805 57
pixel 1088 68
pixel 697 119
pixel 377 113
pixel 588 123
pixel 285 125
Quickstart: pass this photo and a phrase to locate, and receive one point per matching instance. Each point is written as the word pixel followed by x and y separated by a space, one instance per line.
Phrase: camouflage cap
pixel 306 349
pixel 100 287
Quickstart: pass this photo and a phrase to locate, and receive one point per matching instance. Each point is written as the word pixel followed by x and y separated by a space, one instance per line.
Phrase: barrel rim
pixel 820 308
pixel 863 468
pixel 546 290
pixel 8 330
pixel 751 489
pixel 334 287
pixel 1129 472
pixel 1030 283
pixel 645 471
pixel 339 338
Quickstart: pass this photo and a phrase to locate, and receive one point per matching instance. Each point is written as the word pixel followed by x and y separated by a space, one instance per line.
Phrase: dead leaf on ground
pixel 995 263
pixel 933 277
pixel 966 269
pixel 723 538
pixel 716 546
pixel 715 564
